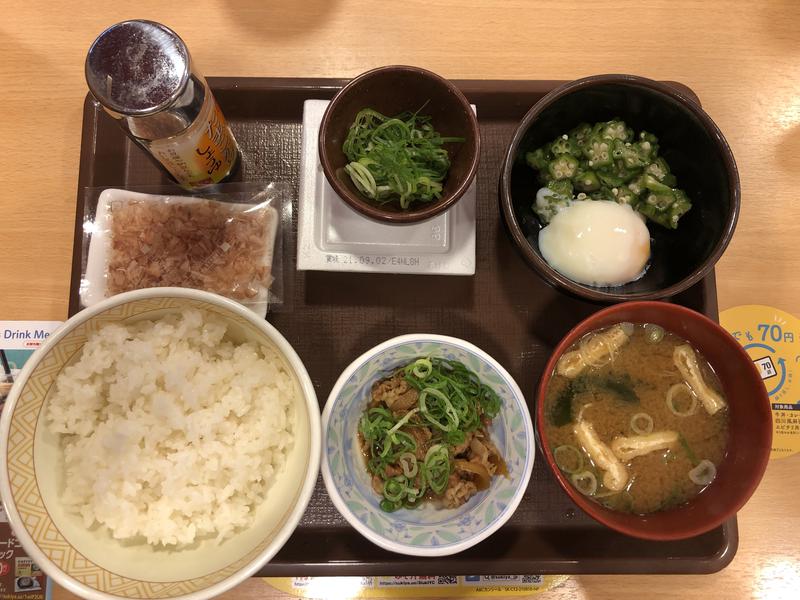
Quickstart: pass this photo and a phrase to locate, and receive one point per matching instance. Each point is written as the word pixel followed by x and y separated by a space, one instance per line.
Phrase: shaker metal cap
pixel 137 67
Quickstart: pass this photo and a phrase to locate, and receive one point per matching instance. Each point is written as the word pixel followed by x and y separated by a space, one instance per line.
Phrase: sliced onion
pixel 565 449
pixel 648 428
pixel 482 479
pixel 409 464
pixel 655 333
pixel 704 473
pixel 585 482
pixel 627 328
pixel 673 391
pixel 495 458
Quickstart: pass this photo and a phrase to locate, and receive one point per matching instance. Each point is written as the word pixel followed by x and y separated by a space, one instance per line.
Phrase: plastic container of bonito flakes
pixel 227 242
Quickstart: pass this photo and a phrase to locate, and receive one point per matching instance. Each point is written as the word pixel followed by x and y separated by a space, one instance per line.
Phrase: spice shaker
pixel 142 74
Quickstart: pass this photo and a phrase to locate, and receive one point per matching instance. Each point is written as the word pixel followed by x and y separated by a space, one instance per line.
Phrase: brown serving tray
pixel 331 318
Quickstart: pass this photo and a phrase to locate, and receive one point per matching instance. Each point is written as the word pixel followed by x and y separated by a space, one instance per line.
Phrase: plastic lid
pixel 137 67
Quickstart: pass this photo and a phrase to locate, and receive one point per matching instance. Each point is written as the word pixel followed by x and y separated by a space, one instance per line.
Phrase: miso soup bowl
pixel 750 424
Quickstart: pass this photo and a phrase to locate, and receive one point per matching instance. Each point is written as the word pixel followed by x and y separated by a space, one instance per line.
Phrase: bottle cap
pixel 141 73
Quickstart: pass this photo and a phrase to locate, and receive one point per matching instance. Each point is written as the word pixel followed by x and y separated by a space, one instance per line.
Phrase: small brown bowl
pixel 392 90
pixel 749 414
pixel 691 143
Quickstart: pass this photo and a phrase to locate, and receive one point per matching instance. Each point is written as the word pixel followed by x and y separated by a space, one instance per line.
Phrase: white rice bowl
pixel 212 520
pixel 171 432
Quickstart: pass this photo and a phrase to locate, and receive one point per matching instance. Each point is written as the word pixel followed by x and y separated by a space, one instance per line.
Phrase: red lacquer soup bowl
pixel 750 424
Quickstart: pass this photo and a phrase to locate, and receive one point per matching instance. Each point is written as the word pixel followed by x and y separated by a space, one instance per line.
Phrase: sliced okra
pixel 564 146
pixel 649 144
pixel 631 154
pixel 562 187
pixel 637 185
pixel 550 200
pixel 625 196
pixel 605 161
pixel 680 207
pixel 654 185
pixel 660 170
pixel 661 217
pixel 563 167
pixel 603 193
pixel 537 159
pixel 666 210
pixel 587 181
pixel 610 179
pixel 598 152
pixel 627 175
pixel 660 200
pixel 616 130
pixel 581 132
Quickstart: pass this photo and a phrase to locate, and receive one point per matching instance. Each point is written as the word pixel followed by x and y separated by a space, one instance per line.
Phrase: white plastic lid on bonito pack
pixel 331 236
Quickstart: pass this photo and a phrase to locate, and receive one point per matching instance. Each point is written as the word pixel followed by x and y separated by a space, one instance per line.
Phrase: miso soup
pixel 636 418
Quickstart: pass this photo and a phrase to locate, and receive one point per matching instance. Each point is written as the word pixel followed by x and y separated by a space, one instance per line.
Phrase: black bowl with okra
pixel 634 141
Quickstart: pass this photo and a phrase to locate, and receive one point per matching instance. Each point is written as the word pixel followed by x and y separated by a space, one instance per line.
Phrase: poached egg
pixel 597 242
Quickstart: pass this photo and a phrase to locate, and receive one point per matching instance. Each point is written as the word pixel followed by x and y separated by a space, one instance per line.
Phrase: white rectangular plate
pixel 331 236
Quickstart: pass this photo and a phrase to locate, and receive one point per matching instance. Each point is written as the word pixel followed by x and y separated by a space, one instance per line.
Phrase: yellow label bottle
pixel 142 74
pixel 203 154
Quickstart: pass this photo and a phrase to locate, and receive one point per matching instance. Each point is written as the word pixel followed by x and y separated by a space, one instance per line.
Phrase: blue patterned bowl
pixel 426 530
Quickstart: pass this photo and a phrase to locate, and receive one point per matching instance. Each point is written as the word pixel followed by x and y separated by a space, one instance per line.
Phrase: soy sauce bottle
pixel 142 74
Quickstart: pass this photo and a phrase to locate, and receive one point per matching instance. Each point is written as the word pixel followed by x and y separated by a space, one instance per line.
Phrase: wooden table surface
pixel 741 57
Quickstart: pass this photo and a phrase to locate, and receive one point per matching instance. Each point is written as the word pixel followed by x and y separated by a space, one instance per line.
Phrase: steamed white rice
pixel 169 431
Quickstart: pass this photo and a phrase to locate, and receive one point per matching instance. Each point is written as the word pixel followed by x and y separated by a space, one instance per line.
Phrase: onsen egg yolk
pixel 598 243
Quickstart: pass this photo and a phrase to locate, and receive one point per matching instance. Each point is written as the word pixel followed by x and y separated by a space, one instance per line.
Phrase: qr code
pixel 446 580
pixel 535 579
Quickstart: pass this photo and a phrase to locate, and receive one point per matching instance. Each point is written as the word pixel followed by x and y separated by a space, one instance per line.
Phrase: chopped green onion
pixel 704 473
pixel 440 412
pixel 655 333
pixel 585 482
pixel 436 468
pixel 394 488
pixel 648 423
pixel 399 158
pixel 672 393
pixel 455 437
pixel 401 439
pixel 404 420
pixel 375 423
pixel 389 506
pixel 422 368
pixel 560 456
